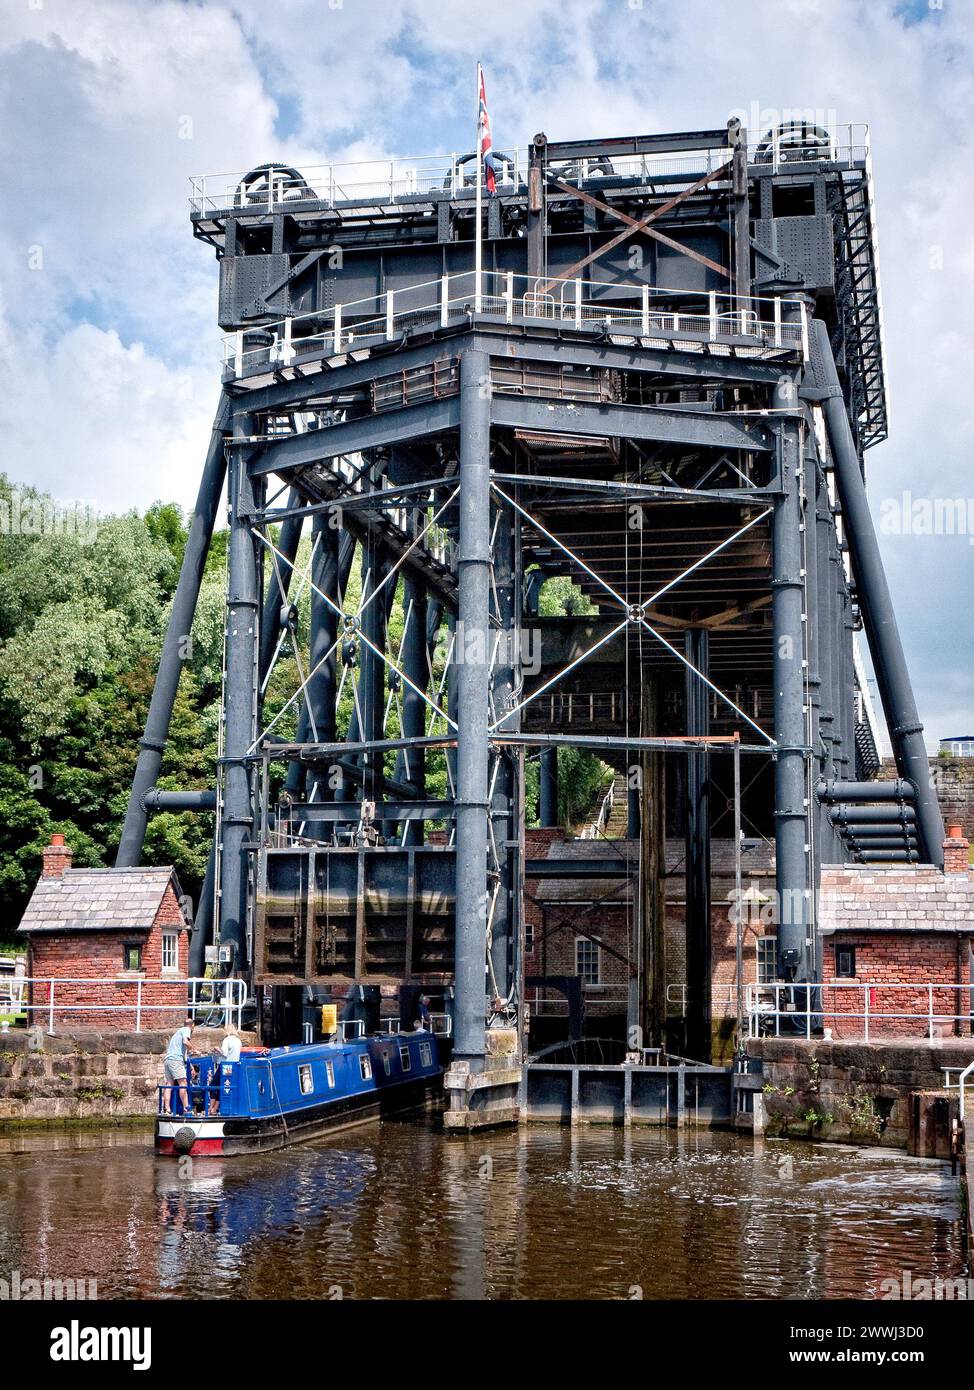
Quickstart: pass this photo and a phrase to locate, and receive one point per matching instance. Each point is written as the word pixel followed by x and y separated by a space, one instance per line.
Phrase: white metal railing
pixel 557 1006
pixel 441 1025
pixel 960 1085
pixel 214 999
pixel 595 829
pixel 811 1007
pixel 410 176
pixel 12 993
pixel 633 310
pixel 722 997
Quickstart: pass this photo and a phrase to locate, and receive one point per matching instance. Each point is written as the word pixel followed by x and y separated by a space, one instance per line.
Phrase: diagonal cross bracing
pixel 635 613
pixel 359 633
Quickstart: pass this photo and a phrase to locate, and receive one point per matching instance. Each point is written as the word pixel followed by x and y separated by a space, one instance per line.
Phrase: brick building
pixel 908 925
pixel 585 927
pixel 116 938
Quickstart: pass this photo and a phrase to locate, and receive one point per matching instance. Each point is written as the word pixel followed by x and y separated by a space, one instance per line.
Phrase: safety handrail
pixel 409 176
pixel 634 309
pixel 86 1001
pixel 818 1011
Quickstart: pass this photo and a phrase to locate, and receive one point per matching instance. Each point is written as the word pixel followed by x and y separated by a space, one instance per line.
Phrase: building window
pixel 131 956
pixel 425 1055
pixel 845 961
pixel 305 1079
pixel 767 949
pixel 587 960
pixel 365 1067
pixel 404 1058
pixel 170 950
pixel 529 938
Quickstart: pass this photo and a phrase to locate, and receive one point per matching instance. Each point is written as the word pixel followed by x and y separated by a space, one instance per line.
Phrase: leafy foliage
pixel 83 609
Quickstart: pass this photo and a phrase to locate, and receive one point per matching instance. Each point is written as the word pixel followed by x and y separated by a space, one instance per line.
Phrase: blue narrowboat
pixel 285 1095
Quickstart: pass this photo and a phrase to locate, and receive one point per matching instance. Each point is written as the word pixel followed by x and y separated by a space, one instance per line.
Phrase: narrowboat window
pixel 365 1066
pixel 330 1073
pixel 305 1079
pixel 425 1055
pixel 404 1058
pixel 387 1064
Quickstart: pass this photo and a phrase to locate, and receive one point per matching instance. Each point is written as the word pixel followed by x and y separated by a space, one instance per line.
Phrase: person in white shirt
pixel 230 1047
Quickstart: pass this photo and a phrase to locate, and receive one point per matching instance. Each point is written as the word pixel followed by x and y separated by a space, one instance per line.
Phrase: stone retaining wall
pixel 850 1092
pixel 85 1076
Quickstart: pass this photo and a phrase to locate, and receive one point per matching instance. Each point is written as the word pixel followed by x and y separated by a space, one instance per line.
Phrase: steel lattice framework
pixel 659 387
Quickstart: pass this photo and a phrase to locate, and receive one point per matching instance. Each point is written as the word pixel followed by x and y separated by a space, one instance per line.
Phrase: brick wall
pixel 98 955
pixel 908 926
pixel 108 1075
pixel 954 780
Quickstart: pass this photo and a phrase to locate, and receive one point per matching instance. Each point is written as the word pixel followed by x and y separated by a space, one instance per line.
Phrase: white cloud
pixel 95 96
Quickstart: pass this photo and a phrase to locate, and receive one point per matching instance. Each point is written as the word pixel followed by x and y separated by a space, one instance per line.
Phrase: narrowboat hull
pixel 274 1097
pixel 257 1134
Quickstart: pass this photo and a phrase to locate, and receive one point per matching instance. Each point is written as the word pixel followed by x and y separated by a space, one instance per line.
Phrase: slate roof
pixel 98 900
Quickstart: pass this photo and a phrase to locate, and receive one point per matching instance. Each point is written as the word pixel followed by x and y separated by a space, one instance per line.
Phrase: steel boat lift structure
pixel 662 384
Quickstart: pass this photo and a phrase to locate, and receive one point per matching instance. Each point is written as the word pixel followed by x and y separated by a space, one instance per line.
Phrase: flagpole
pixel 478 247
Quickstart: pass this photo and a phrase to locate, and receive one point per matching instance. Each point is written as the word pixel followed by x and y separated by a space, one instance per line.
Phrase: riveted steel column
pixel 411 766
pixel 886 648
pixel 548 760
pixel 239 699
pixel 789 692
pixel 323 682
pixel 504 770
pixel 697 864
pixel 473 689
pixel 371 666
pixel 279 583
pixel 175 643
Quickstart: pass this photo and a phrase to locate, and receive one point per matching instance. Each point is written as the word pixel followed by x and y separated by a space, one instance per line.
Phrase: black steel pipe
pixel 892 676
pixel 174 645
pixel 792 876
pixel 240 690
pixel 155 799
pixel 873 815
pixel 834 791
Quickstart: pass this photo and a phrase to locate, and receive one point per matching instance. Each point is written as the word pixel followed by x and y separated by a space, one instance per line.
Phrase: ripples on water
pixel 398 1211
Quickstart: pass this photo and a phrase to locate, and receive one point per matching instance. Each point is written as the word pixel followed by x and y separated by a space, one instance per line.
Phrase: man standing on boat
pixel 177 1055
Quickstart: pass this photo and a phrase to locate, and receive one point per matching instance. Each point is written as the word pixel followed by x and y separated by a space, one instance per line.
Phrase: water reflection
pixel 397 1211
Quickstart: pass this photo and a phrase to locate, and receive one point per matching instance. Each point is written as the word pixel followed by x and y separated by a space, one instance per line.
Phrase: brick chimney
pixel 955 851
pixel 58 857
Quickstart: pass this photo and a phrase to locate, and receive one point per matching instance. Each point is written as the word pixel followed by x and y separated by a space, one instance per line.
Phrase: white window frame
pixel 306 1075
pixel 365 1066
pixel 425 1055
pixel 587 944
pixel 330 1074
pixel 766 972
pixel 170 939
pixel 405 1061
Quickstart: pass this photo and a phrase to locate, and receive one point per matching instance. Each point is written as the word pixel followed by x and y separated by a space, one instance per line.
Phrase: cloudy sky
pixel 108 339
